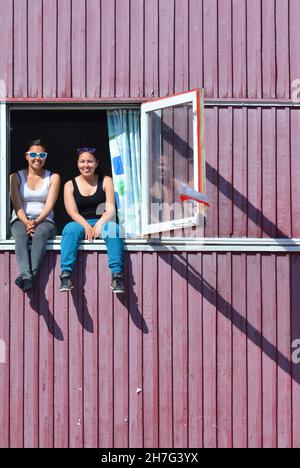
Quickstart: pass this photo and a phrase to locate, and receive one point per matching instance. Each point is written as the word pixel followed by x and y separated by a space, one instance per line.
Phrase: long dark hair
pixel 36 142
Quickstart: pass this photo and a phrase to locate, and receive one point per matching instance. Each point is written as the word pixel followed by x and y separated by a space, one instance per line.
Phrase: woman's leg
pixel 18 230
pixel 115 246
pixel 72 234
pixel 43 232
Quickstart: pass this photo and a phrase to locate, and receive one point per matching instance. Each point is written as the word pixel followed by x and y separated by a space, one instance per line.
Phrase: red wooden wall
pixel 198 354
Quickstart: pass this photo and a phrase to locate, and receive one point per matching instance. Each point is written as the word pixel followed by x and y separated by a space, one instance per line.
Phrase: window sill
pixel 244 244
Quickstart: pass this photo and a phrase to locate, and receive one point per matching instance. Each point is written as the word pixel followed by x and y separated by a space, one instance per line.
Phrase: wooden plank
pixel 284 381
pixel 61 363
pixel 50 47
pixel 240 172
pixel 224 351
pixel 239 352
pixel 122 48
pixel 166 16
pixel 254 350
pixel 20 71
pixel 225 49
pixel 166 429
pixel 209 350
pixel 181 37
pixel 210 47
pixel 283 82
pixel 180 350
pixel 269 370
pixel 136 60
pixel 268 49
pixel 90 346
pixel 295 171
pixel 34 52
pixel 151 49
pixel 31 369
pixel 239 41
pixel 16 395
pixel 295 330
pixel 108 32
pixel 212 175
pixel 4 349
pixel 294 38
pixel 283 168
pixel 76 357
pixel 64 79
pixel 150 351
pixel 46 348
pixel 195 354
pixel 106 349
pixel 254 175
pixel 78 48
pixel 93 48
pixel 225 172
pixel 6 41
pixel 136 387
pixel 121 364
pixel 254 49
pixel 269 173
pixel 196 44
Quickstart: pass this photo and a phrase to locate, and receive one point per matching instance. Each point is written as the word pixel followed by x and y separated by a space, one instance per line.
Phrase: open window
pixel 172 160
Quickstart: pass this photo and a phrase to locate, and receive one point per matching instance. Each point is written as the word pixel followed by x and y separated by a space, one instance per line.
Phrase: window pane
pixel 171 162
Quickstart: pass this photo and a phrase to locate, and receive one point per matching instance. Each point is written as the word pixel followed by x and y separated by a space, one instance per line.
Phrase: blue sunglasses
pixel 33 155
pixel 86 150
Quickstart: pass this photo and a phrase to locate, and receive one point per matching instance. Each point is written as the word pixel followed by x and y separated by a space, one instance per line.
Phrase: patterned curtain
pixel 125 152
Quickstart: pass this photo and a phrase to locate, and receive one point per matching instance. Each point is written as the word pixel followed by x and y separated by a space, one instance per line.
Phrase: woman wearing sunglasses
pixel 34 192
pixel 90 202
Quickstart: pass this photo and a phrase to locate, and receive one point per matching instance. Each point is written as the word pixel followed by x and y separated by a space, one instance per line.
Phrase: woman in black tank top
pixel 90 202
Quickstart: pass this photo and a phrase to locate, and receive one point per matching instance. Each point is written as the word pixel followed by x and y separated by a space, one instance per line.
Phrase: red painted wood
pixel 239 352
pixel 108 32
pixel 239 40
pixel 105 352
pixel 16 366
pixel 254 194
pixel 78 48
pixel 224 351
pixel 64 74
pixel 225 172
pixel 295 331
pixel 180 350
pixel 49 46
pixel 294 37
pixel 210 28
pixel 20 54
pixel 240 172
pixel 269 317
pixel 165 386
pixel 5 347
pixel 283 167
pixel 150 352
pixel 76 383
pixel 151 49
pixel 269 173
pixel 195 353
pixel 61 363
pixel 212 148
pixel 254 353
pixel 196 44
pixel 122 47
pixel 209 350
pixel 90 354
pixel 166 47
pixel 254 48
pixel 46 349
pixel 268 49
pixel 295 171
pixel 181 46
pixel 136 48
pixel 283 81
pixel 6 37
pixel 284 381
pixel 34 52
pixel 93 48
pixel 224 50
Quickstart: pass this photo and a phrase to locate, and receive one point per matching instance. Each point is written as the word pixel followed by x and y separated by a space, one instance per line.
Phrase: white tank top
pixel 34 200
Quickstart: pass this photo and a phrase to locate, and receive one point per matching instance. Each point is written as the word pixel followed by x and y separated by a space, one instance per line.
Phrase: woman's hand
pixel 31 225
pixel 97 230
pixel 88 232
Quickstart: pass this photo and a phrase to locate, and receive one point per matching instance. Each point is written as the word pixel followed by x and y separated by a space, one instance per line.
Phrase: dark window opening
pixel 63 131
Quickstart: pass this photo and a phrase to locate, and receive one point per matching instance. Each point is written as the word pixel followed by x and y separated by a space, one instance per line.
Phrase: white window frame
pixel 163 103
pixel 3 171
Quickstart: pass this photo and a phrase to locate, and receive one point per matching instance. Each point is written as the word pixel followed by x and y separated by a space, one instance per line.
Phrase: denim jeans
pixel 73 233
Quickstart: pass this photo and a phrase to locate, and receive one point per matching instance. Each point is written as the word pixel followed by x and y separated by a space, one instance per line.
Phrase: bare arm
pixel 16 198
pixel 51 199
pixel 72 210
pixel 110 207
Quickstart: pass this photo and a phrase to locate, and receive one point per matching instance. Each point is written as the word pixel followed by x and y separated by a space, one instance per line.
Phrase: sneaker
pixel 27 285
pixel 19 282
pixel 65 282
pixel 117 283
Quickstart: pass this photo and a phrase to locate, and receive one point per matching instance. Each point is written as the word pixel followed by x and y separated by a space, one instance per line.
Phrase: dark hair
pixel 37 142
pixel 91 150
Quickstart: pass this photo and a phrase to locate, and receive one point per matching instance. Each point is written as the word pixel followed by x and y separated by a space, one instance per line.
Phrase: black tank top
pixel 87 205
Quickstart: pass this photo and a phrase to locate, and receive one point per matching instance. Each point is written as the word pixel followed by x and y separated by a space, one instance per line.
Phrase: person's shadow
pixel 78 294
pixel 38 300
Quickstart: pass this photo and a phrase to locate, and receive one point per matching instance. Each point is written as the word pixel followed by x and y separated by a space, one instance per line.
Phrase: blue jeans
pixel 73 233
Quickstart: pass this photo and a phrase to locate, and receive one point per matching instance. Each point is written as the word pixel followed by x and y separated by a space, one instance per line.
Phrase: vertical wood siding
pixel 123 48
pixel 197 354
